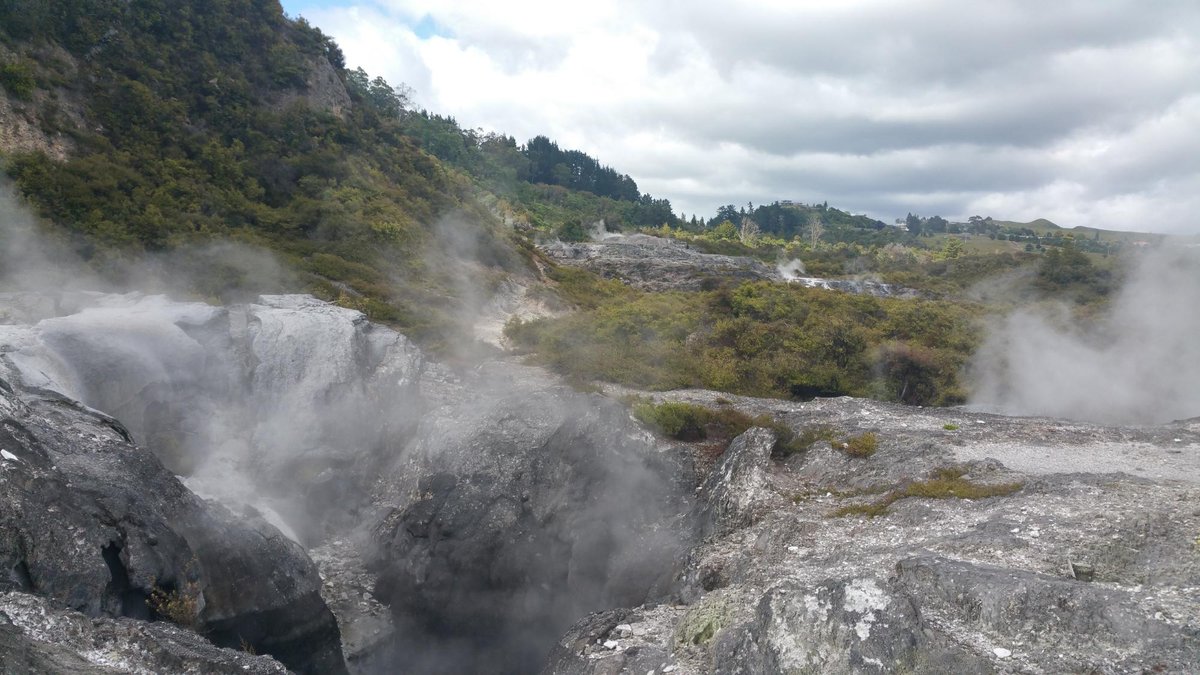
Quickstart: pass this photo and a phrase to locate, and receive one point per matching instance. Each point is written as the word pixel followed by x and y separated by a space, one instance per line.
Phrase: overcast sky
pixel 1084 112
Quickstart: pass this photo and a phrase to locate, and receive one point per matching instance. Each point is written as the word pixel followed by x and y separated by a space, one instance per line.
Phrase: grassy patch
pixel 863 445
pixel 946 483
pixel 950 427
pixel 691 422
pixel 814 433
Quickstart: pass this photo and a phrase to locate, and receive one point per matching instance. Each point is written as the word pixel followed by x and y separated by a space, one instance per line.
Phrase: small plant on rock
pixel 180 606
pixel 863 445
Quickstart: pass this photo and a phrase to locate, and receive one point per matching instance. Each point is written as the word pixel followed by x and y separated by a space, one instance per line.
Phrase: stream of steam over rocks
pixel 496 506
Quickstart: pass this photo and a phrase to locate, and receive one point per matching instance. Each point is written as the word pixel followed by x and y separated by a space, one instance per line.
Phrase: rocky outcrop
pixel 856 286
pixel 656 264
pixel 461 520
pixel 36 636
pixel 46 120
pixel 659 264
pixel 523 505
pixel 323 90
pixel 466 519
pixel 928 556
pixel 99 525
pixel 286 403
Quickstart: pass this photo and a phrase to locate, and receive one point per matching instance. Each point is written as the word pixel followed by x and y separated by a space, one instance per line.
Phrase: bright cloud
pixel 1077 111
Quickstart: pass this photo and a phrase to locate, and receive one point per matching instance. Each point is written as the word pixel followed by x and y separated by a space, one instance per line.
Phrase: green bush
pixel 758 339
pixel 863 445
pixel 683 421
pixel 17 78
pixel 691 422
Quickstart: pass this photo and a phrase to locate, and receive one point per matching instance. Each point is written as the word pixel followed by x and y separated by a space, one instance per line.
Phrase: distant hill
pixel 1039 225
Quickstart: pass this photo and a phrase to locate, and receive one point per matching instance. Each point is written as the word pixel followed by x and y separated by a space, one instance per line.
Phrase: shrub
pixel 691 422
pixel 863 445
pixel 180 607
pixel 17 78
pixel 683 421
pixel 950 427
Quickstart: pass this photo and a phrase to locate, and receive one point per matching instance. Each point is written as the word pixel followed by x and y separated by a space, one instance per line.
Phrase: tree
pixel 725 230
pixel 953 248
pixel 913 223
pixel 815 229
pixel 936 224
pixel 749 231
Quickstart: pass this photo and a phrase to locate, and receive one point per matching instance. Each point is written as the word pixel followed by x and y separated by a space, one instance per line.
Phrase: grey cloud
pixel 929 106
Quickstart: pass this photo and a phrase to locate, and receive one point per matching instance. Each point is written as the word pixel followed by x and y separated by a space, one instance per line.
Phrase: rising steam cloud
pixel 1139 365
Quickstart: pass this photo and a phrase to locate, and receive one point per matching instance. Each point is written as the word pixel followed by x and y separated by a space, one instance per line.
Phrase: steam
pixel 329 426
pixel 791 270
pixel 34 258
pixel 1138 365
pixel 598 231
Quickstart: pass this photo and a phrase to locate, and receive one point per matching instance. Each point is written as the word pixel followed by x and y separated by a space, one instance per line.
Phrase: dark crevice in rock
pixel 301 647
pixel 131 601
pixel 19 578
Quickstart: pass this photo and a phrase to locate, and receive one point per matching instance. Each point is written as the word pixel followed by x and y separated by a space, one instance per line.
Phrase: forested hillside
pixel 156 126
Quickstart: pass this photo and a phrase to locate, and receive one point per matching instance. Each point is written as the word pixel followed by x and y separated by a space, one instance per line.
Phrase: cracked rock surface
pixel 1083 568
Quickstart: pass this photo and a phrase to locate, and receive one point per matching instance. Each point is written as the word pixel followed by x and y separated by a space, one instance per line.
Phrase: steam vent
pixel 202 459
pixel 882 358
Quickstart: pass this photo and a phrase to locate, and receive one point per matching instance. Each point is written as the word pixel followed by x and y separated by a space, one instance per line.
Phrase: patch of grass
pixel 692 422
pixel 682 421
pixel 946 483
pixel 812 434
pixel 950 427
pixel 863 445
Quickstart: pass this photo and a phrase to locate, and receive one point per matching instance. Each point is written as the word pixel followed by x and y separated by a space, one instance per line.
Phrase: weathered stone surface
pixel 523 505
pixel 96 523
pixel 933 584
pixel 36 636
pixel 736 489
pixel 657 264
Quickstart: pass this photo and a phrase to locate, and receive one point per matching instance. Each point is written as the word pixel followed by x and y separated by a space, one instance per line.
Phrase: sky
pixel 1085 112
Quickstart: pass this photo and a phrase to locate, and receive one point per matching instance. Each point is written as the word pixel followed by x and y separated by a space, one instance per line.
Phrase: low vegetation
pixel 691 422
pixel 863 445
pixel 179 606
pixel 757 339
pixel 946 483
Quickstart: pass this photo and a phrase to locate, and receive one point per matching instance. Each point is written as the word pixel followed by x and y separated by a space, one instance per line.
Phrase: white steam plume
pixel 1139 365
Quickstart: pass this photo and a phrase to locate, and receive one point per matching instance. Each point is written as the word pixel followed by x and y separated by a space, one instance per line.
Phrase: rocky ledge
pixel 928 555
pixel 96 524
pixel 657 264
